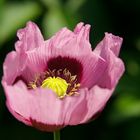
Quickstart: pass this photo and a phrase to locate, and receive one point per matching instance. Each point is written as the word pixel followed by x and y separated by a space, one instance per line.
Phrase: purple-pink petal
pixel 82 30
pixel 29 38
pixel 48 109
pixel 18 101
pixel 108 49
pixel 43 106
pixel 97 98
pixel 13 65
pixel 93 69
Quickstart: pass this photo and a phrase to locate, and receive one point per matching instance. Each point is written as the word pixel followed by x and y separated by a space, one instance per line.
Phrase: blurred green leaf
pixel 51 3
pixel 14 16
pixel 137 43
pixel 1 8
pixel 73 6
pixel 126 106
pixel 2 2
pixel 53 21
pixel 130 80
pixel 133 68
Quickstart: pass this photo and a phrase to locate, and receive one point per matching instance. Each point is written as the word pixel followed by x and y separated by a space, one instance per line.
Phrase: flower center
pixel 60 81
pixel 57 84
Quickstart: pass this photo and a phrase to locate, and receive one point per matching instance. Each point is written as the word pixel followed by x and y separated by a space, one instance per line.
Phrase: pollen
pixel 56 84
pixel 62 82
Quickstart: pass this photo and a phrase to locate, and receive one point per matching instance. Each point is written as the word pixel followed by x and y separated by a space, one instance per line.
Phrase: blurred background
pixel 121 117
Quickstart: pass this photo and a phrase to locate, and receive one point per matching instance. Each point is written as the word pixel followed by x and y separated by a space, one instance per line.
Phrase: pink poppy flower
pixel 61 81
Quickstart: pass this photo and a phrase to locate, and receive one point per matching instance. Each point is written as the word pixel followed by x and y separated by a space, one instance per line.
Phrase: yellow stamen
pixel 57 84
pixel 32 85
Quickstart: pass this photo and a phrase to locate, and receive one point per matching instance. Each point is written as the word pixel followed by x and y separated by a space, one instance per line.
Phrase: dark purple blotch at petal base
pixel 71 64
pixel 18 78
pixel 44 127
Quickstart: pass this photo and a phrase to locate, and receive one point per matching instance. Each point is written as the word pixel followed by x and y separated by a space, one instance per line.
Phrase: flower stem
pixel 56 135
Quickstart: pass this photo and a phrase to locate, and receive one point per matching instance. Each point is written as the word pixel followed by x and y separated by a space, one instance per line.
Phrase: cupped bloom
pixel 52 83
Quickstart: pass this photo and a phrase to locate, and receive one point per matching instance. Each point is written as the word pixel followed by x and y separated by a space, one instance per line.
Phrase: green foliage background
pixel 121 117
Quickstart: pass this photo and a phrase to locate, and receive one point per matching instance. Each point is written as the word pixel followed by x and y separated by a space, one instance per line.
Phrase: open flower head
pixel 52 83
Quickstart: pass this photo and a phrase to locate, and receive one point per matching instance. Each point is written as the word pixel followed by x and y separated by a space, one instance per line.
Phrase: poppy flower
pixel 52 83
